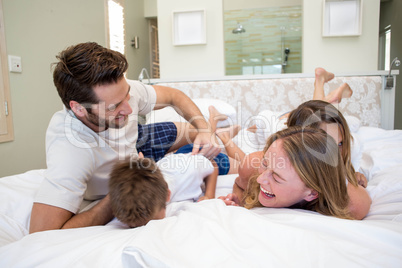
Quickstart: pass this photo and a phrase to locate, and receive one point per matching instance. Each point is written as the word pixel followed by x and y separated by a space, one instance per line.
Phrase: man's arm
pixel 45 217
pixel 167 96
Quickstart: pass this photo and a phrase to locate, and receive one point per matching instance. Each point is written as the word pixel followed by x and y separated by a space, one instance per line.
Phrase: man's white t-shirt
pixel 79 160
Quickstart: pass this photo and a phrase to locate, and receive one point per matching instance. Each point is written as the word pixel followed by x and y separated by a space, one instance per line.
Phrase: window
pixel 384 53
pixel 115 18
pixel 387 57
pixel 6 123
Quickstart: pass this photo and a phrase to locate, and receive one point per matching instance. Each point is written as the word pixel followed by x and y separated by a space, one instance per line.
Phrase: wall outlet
pixel 14 64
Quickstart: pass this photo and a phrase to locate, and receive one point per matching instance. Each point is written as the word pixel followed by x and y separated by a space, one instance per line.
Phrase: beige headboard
pixel 249 97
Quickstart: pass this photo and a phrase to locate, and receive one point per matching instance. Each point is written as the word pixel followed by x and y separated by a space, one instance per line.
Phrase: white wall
pixel 150 9
pixel 340 54
pixel 37 31
pixel 194 60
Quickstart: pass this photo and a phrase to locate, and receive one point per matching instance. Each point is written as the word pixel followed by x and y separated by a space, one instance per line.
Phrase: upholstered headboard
pixel 251 96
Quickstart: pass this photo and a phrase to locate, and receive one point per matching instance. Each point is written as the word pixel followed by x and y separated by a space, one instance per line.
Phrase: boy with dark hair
pixel 140 188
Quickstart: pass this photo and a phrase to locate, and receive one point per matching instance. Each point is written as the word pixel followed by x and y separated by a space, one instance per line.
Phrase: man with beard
pixel 97 127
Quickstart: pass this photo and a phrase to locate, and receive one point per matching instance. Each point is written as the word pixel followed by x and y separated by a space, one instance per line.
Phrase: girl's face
pixel 280 185
pixel 334 131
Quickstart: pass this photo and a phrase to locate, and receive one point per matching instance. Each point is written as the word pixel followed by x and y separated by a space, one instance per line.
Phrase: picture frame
pixel 342 18
pixel 189 27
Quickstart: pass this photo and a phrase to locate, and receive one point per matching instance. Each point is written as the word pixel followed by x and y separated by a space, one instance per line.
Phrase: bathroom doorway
pixel 154 43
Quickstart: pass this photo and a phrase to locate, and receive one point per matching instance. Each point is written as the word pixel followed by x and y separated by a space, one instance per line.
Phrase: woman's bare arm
pixel 360 201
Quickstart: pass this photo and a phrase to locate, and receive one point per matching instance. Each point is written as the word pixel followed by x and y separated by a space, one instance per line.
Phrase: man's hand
pixel 208 143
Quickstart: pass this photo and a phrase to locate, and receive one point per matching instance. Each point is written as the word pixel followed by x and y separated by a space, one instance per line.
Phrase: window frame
pixel 6 121
pixel 120 44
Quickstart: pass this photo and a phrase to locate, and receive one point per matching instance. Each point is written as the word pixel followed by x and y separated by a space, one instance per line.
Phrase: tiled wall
pixel 260 48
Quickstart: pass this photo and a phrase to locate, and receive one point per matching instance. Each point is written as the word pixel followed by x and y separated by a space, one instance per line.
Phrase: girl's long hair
pixel 315 112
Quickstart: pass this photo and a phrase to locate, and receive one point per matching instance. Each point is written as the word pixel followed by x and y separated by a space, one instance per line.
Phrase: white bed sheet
pixel 210 234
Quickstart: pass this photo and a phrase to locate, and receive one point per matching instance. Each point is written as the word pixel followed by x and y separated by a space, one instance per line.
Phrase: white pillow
pixel 354 123
pixel 268 122
pixel 17 194
pixel 169 114
pixel 164 115
pixel 382 149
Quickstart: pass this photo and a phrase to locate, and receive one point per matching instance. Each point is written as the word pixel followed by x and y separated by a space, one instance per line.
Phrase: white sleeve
pixel 143 96
pixel 185 174
pixel 68 171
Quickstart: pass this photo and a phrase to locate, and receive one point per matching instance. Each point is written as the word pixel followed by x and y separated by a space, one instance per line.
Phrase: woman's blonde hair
pixel 315 112
pixel 318 163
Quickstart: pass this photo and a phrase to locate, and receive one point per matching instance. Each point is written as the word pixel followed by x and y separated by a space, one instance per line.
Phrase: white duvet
pixel 210 234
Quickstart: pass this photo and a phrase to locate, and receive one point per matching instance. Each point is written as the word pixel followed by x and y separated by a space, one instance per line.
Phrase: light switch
pixel 14 64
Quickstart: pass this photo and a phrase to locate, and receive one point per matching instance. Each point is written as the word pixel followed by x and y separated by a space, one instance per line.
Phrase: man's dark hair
pixel 83 66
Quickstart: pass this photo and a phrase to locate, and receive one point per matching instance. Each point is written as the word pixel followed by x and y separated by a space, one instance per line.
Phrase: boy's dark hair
pixel 137 191
pixel 83 66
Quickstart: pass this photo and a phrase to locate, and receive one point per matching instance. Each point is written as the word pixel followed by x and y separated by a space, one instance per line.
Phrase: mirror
pixel 262 37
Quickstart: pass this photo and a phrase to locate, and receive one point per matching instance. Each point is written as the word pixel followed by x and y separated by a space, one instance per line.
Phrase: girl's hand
pixel 361 179
pixel 230 200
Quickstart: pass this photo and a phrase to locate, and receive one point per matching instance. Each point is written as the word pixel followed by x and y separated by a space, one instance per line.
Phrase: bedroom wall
pixel 37 39
pixel 195 60
pixel 340 54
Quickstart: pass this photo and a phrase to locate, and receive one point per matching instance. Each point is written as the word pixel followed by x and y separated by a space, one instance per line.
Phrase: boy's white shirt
pixel 184 174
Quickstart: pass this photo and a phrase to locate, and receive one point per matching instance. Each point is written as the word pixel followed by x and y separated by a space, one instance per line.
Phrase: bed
pixel 210 234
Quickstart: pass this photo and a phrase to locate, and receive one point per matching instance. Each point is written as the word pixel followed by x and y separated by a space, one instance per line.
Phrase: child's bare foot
pixel 227 133
pixel 253 128
pixel 323 75
pixel 215 114
pixel 336 96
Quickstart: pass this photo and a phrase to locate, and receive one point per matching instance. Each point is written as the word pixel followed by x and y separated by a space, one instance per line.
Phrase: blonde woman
pixel 303 168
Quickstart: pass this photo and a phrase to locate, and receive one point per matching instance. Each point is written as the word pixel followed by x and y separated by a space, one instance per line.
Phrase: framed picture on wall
pixel 342 17
pixel 189 28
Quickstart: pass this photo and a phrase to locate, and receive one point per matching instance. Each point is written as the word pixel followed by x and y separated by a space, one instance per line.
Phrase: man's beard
pixel 103 123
